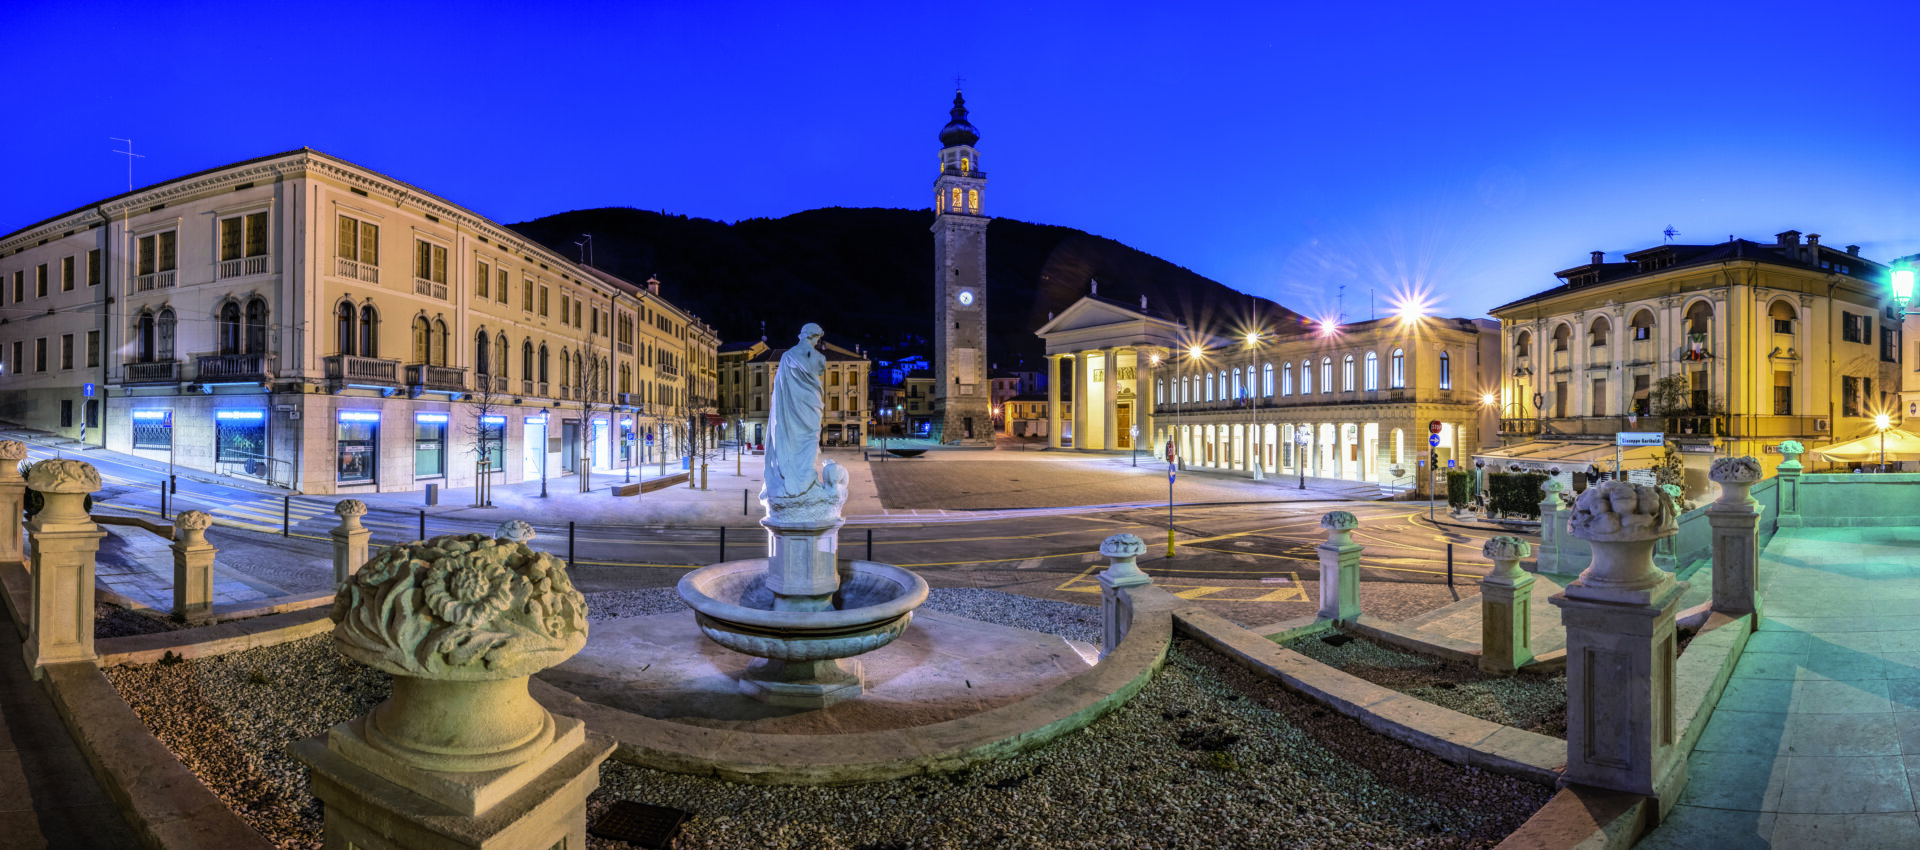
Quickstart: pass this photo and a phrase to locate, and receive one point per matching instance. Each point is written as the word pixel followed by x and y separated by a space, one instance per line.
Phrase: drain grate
pixel 640 824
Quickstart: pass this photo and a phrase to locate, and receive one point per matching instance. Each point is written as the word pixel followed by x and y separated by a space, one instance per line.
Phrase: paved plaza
pixel 1001 480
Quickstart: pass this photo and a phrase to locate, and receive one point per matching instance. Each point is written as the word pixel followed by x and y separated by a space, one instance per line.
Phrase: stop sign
pixel 1433 427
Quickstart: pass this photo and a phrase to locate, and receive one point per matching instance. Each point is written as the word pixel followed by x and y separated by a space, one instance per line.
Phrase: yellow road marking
pixel 1293 592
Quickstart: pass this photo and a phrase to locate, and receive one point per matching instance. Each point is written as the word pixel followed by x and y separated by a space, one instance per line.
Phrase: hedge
pixel 1459 489
pixel 1515 493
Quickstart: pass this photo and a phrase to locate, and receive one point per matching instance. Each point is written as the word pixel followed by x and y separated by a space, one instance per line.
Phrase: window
pixel 93 267
pixel 566 308
pixel 526 295
pixel 1782 392
pixel 1642 325
pixel 93 349
pixel 357 441
pixel 576 313
pixel 155 258
pixel 343 337
pixel 256 325
pixel 229 328
pixel 1238 393
pixel 243 238
pixel 1599 397
pixel 1699 316
pixel 1852 390
pixel 66 351
pixel 1397 369
pixel 526 360
pixel 1286 379
pixel 166 335
pixel 1346 374
pixel 1783 315
pixel 493 443
pixel 153 429
pixel 543 362
pixel 1598 332
pixel 482 355
pixel 1854 328
pixel 1562 336
pixel 500 287
pixel 40 281
pixel 1266 380
pixel 1890 345
pixel 429 445
pixel 40 354
pixel 1522 345
pixel 66 274
pixel 18 363
pixel 543 300
pixel 956 199
pixel 429 269
pixel 1326 376
pixel 500 356
pixel 973 200
pixel 19 286
pixel 1446 371
pixel 1306 377
pixel 422 339
pixel 482 277
pixel 1372 373
pixel 358 242
pixel 369 331
pixel 1209 386
pixel 439 342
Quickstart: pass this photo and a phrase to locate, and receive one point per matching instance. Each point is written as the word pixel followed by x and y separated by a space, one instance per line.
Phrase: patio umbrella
pixel 1901 445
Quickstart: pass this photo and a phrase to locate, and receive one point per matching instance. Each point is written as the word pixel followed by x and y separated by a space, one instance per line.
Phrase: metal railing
pixel 526 387
pixel 347 367
pixel 233 366
pixel 430 288
pixel 165 372
pixel 436 377
pixel 156 280
pixel 244 266
pixel 343 267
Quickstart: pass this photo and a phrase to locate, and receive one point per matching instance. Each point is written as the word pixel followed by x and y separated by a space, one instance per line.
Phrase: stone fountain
pixel 801 611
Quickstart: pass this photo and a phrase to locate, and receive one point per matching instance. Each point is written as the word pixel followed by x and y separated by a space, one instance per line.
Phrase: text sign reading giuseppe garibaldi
pixel 1632 439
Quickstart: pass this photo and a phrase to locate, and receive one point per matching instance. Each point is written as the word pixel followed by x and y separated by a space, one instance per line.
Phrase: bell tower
pixel 961 392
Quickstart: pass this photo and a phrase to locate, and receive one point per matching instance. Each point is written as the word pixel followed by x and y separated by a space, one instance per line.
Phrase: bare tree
pixel 590 386
pixel 487 443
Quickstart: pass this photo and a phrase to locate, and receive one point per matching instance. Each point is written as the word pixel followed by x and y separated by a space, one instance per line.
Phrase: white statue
pixel 793 442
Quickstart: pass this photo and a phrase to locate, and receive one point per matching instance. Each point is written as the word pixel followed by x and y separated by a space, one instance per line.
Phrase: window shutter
pixel 166 250
pixel 146 262
pixel 229 239
pixel 369 244
pixel 439 256
pixel 481 278
pixel 256 234
pixel 422 261
pixel 348 241
pixel 500 294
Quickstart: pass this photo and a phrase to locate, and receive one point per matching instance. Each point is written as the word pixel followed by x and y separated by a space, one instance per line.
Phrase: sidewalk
pixel 89 453
pixel 676 506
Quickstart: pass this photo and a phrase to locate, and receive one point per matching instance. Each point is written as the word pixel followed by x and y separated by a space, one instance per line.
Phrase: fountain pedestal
pixel 803 563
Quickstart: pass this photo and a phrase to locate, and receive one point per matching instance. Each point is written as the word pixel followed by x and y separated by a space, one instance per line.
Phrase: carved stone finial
pixel 1122 546
pixel 1736 470
pixel 350 508
pixel 13 450
pixel 516 530
pixel 1339 521
pixel 460 608
pixel 1506 548
pixel 193 520
pixel 1787 447
pixel 1617 511
pixel 64 475
pixel 1552 486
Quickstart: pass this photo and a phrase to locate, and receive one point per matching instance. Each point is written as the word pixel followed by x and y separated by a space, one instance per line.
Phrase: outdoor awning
pixel 1568 456
pixel 1900 445
pixel 714 419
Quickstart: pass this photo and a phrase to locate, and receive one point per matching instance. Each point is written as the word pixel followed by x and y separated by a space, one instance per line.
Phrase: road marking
pixel 1085 583
pixel 1029 564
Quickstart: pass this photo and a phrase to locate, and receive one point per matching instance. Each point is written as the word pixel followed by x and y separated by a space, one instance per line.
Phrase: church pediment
pixel 1103 322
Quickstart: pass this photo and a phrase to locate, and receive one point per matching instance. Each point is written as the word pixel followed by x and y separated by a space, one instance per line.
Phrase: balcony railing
pixel 234 367
pixel 1763 427
pixel 343 267
pixel 543 390
pixel 243 266
pixel 447 378
pixel 526 387
pixel 500 384
pixel 156 280
pixel 167 372
pixel 430 288
pixel 348 369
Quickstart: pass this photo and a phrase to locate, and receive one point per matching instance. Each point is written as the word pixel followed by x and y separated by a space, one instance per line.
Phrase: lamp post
pixel 1883 422
pixel 1133 437
pixel 1300 454
pixel 1193 351
pixel 1253 342
pixel 546 422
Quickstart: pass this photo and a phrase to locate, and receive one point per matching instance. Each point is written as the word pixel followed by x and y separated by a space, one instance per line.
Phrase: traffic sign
pixel 1434 441
pixel 649 438
pixel 1433 427
pixel 1170 468
pixel 87 390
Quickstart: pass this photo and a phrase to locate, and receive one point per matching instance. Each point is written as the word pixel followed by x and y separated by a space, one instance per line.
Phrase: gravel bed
pixel 1074 622
pixel 1208 755
pixel 111 621
pixel 615 604
pixel 1534 702
pixel 229 719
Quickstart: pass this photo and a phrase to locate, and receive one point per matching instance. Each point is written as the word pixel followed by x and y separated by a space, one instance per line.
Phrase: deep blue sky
pixel 1280 148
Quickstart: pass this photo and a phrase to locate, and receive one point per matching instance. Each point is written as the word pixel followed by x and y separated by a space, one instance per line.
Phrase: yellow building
pixel 1762 343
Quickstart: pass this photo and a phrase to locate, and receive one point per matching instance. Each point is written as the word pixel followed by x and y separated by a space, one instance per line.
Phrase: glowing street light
pixel 1259 462
pixel 1902 284
pixel 1883 422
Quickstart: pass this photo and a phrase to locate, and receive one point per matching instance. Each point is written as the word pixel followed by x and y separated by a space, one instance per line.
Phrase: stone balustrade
pixel 65 541
pixel 349 540
pixel 192 567
pixel 1506 614
pixel 1340 568
pixel 1735 517
pixel 1122 551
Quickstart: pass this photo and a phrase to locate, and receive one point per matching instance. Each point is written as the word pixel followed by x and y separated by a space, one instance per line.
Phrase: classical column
pixel 13 490
pixel 1110 400
pixel 1121 551
pixel 1506 613
pixel 192 566
pixel 1621 729
pixel 1053 401
pixel 1789 474
pixel 1549 553
pixel 1339 568
pixel 1082 384
pixel 1735 518
pixel 1147 394
pixel 65 540
pixel 349 540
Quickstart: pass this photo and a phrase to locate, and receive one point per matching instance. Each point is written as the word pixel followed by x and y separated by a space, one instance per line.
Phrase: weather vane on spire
pixel 957 80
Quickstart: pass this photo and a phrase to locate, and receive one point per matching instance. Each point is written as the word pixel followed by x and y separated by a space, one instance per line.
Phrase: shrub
pixel 1459 489
pixel 1515 493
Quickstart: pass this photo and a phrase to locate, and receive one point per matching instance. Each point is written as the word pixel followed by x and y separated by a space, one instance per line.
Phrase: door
pixel 1124 421
pixel 532 447
pixel 569 444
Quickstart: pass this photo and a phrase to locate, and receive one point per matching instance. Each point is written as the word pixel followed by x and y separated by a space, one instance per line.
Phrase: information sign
pixel 1638 439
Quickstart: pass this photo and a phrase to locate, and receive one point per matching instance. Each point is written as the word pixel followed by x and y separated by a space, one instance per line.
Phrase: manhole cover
pixel 640 824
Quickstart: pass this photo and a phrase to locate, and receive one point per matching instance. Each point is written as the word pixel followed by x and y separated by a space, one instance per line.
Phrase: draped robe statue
pixel 793 441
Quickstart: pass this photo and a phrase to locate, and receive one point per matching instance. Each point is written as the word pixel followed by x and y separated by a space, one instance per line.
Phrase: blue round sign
pixel 650 439
pixel 1434 441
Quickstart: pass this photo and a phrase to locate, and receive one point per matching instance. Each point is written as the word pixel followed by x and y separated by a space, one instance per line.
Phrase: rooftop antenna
pixel 130 155
pixel 1670 233
pixel 586 248
pixel 1340 305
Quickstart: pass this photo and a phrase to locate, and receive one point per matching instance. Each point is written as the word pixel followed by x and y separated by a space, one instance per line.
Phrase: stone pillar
pixel 1110 398
pixel 65 540
pixel 192 566
pixel 1621 729
pixel 1789 485
pixel 1339 568
pixel 1121 550
pixel 1735 518
pixel 1147 394
pixel 1506 612
pixel 1549 554
pixel 1053 401
pixel 460 756
pixel 1082 384
pixel 349 540
pixel 13 490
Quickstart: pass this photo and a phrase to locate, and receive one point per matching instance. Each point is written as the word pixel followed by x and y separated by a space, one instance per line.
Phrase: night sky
pixel 1280 148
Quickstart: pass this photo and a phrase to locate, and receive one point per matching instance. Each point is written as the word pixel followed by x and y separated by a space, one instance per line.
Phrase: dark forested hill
pixel 866 275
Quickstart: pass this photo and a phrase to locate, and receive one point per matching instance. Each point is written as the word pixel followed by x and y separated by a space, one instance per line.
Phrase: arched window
pixel 343 329
pixel 526 360
pixel 956 199
pixel 1640 327
pixel 500 358
pixel 543 362
pixel 566 372
pixel 626 378
pixel 1306 377
pixel 1446 371
pixel 1184 395
pixel 1209 386
pixel 579 375
pixel 939 206
pixel 1266 380
pixel 1523 344
pixel 1286 379
pixel 1326 375
pixel 439 342
pixel 422 339
pixel 973 200
pixel 1397 370
pixel 1372 374
pixel 145 333
pixel 482 348
pixel 1783 315
pixel 1238 392
pixel 230 328
pixel 1598 332
pixel 1699 316
pixel 257 325
pixel 1160 389
pixel 369 331
pixel 1562 335
pixel 166 335
pixel 1346 374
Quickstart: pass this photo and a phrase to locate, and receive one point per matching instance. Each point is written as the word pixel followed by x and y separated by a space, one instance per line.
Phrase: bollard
pixel 192 567
pixel 423 523
pixel 349 540
pixel 569 544
pixel 1506 608
pixel 869 544
pixel 173 483
pixel 1116 614
pixel 163 500
pixel 1547 555
pixel 286 515
pixel 1789 475
pixel 723 545
pixel 1449 564
pixel 743 502
pixel 1339 568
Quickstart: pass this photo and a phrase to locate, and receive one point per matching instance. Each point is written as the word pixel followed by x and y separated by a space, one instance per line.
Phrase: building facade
pixel 749 378
pixel 961 400
pixel 1026 415
pixel 1727 349
pixel 309 322
pixel 1353 402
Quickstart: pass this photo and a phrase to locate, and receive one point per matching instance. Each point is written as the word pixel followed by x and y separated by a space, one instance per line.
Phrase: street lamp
pixel 1901 279
pixel 1883 422
pixel 546 422
pixel 1253 342
pixel 1300 454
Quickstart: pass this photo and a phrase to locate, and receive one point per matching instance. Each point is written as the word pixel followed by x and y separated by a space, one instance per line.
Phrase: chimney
pixel 653 285
pixel 1813 240
pixel 1853 250
pixel 1789 237
pixel 1598 257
